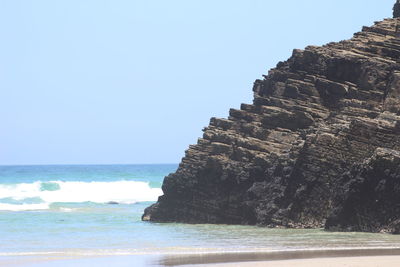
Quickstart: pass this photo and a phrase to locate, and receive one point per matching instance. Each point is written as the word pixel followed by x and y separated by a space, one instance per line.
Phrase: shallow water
pixel 64 211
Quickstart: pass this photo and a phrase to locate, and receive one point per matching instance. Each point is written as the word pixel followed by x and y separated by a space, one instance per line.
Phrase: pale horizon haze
pixel 134 82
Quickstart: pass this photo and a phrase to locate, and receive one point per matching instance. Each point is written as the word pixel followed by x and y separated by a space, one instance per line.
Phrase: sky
pixel 134 82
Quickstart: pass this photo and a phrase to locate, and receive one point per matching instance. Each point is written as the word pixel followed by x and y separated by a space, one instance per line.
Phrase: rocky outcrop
pixel 396 9
pixel 370 196
pixel 319 145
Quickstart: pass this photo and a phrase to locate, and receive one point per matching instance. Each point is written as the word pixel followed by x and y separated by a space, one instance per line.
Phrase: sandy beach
pixel 129 261
pixel 369 261
pixel 326 258
pixel 310 258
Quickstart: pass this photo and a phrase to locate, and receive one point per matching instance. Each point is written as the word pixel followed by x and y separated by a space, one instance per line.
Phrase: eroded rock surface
pixel 321 140
pixel 370 196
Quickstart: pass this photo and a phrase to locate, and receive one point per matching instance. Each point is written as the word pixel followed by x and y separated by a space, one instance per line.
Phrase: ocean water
pixel 73 211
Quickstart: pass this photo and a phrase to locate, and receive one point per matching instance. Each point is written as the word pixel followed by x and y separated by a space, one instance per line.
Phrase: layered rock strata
pixel 319 146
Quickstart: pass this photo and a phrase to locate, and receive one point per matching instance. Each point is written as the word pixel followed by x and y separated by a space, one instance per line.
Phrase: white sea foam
pixel 22 207
pixel 67 209
pixel 180 251
pixel 125 192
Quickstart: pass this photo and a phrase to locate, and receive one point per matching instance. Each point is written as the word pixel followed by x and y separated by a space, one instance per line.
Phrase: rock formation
pixel 319 146
pixel 396 9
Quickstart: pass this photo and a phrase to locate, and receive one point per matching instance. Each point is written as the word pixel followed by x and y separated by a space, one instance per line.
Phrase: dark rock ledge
pixel 319 146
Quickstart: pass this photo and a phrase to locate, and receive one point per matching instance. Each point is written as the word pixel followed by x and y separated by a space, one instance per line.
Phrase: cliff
pixel 319 146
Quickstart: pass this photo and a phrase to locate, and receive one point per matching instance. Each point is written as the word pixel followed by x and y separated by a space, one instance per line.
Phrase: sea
pixel 91 211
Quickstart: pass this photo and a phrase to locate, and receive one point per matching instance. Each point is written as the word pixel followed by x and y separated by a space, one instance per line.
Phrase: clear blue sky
pixel 128 81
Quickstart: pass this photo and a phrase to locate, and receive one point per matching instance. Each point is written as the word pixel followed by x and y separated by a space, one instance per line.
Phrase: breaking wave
pixel 39 195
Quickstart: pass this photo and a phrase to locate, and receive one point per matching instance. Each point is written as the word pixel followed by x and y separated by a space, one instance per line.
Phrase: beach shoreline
pixel 233 259
pixel 368 257
pixel 365 261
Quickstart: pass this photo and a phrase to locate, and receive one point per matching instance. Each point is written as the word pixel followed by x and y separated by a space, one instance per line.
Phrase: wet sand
pixel 368 261
pixel 284 258
pixel 304 258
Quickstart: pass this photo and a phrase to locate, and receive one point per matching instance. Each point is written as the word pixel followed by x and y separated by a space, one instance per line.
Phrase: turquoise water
pixel 66 210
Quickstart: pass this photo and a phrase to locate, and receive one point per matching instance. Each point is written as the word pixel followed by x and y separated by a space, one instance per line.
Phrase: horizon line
pixel 85 164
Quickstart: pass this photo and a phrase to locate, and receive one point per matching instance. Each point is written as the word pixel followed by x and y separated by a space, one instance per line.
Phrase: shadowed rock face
pixel 396 9
pixel 318 147
pixel 370 196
